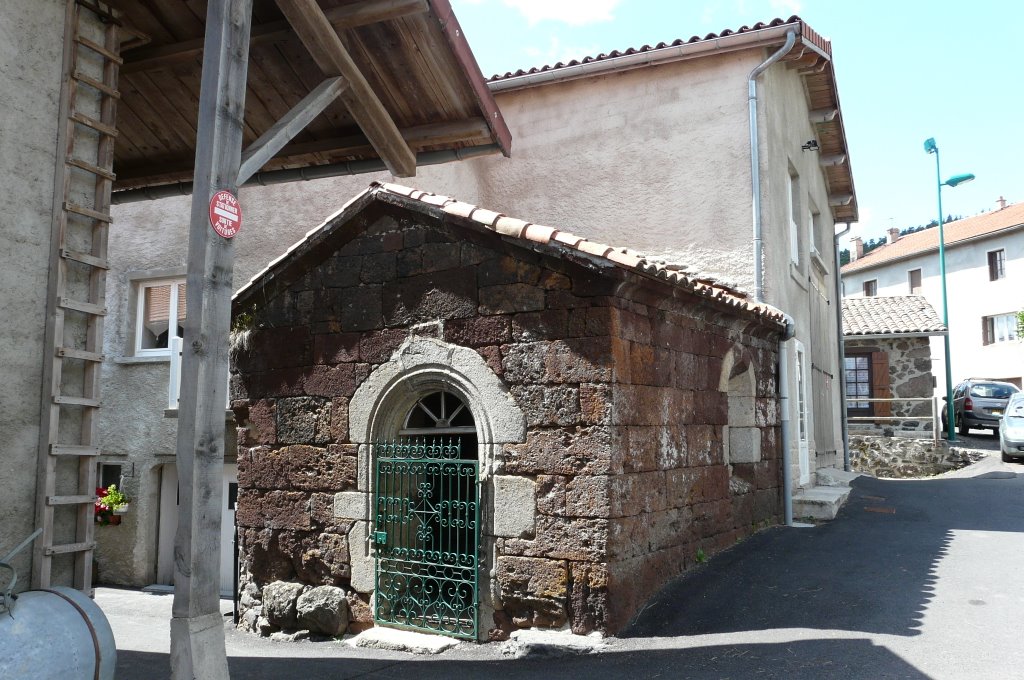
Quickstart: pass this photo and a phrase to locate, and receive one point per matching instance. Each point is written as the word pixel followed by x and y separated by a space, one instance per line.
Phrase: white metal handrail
pixel 174 377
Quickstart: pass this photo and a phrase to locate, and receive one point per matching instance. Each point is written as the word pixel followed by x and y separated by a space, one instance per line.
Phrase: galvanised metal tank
pixel 56 634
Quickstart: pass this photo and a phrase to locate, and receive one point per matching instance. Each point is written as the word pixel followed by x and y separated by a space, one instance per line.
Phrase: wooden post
pixel 197 628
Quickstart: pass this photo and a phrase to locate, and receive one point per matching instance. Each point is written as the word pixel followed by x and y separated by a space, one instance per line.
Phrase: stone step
pixel 836 477
pixel 820 502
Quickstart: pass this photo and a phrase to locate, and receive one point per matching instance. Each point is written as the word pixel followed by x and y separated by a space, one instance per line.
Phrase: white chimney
pixel 858 248
pixel 1001 202
pixel 894 235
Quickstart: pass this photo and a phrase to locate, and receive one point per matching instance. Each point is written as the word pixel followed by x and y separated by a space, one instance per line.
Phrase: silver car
pixel 1011 429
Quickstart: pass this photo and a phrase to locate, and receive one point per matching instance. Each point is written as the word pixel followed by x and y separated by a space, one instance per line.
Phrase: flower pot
pixel 123 510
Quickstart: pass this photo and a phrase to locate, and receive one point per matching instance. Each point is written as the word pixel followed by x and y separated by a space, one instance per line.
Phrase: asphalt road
pixel 915 579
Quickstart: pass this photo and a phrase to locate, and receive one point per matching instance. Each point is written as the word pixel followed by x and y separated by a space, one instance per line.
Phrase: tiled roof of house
pixel 1010 217
pixel 561 242
pixel 889 316
pixel 819 41
pixel 810 55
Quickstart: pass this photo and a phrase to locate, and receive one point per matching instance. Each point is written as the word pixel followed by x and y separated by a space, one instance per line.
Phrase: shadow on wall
pixel 809 660
pixel 870 570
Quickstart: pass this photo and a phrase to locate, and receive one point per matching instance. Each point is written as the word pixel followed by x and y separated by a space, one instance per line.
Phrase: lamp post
pixel 931 147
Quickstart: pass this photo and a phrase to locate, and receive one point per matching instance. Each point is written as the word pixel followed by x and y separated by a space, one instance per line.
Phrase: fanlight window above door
pixel 438 413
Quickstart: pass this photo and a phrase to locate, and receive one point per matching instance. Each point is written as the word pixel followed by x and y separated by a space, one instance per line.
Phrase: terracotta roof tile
pixel 539 233
pixel 568 238
pixel 514 228
pixel 887 315
pixel 1010 217
pixel 509 226
pixel 604 56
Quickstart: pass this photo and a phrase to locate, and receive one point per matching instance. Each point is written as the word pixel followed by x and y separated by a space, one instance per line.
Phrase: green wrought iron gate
pixel 426 537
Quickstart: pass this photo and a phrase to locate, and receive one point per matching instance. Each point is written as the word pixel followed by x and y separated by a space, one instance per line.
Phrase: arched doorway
pixel 426 519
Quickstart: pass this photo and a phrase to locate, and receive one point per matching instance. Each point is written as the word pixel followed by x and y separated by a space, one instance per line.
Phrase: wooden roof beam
pixel 324 46
pixel 342 18
pixel 291 124
pixel 470 132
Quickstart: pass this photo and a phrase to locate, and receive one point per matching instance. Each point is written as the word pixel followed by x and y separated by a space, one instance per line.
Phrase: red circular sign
pixel 225 214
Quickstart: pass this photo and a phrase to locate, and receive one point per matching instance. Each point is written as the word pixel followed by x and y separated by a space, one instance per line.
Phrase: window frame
pixel 996 264
pixel 869 407
pixel 796 246
pixel 990 328
pixel 177 284
pixel 915 290
pixel 872 286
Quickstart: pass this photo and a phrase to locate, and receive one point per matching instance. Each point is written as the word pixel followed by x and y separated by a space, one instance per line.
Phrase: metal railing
pixel 933 411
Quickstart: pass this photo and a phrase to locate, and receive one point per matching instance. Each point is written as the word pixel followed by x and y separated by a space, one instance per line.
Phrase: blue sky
pixel 906 70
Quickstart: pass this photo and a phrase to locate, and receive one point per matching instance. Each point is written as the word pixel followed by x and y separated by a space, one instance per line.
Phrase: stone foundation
pixel 902 458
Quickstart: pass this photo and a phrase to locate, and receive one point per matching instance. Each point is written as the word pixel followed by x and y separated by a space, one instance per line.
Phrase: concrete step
pixel 836 477
pixel 820 502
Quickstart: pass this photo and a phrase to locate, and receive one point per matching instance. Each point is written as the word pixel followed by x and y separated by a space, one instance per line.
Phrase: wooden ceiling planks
pixel 398 46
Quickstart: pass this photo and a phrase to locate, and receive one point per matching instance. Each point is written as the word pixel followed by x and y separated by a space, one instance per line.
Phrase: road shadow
pixel 870 570
pixel 804 660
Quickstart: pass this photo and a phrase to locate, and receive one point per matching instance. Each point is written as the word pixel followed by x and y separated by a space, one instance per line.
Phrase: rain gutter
pixel 700 48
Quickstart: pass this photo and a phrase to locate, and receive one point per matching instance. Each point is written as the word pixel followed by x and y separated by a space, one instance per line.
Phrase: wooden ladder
pixel 68 451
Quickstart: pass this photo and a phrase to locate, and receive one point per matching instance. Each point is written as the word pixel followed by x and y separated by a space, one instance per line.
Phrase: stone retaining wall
pixel 902 458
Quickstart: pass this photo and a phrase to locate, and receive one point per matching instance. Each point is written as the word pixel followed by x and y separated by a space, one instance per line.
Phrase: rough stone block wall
pixel 910 376
pixel 623 413
pixel 905 458
pixel 674 494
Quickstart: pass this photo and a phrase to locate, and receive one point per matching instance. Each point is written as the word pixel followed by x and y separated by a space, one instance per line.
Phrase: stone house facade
pixel 887 352
pixel 623 416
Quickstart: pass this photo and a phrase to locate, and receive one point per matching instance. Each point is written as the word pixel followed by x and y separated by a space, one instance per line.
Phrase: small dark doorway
pixel 426 531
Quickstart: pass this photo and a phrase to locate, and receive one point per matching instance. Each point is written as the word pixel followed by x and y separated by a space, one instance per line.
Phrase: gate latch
pixel 380 537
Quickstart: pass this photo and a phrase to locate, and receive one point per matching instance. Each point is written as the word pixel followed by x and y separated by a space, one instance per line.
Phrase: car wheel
pixel 1006 457
pixel 962 427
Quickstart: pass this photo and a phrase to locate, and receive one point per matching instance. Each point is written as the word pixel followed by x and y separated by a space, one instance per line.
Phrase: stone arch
pixel 741 437
pixel 379 406
pixel 424 364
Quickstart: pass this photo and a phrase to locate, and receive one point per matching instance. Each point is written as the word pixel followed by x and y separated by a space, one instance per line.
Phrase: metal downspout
pixel 755 182
pixel 844 425
pixel 787 458
pixel 755 161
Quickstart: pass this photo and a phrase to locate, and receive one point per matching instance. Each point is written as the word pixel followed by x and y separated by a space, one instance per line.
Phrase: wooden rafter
pixel 284 130
pixel 471 131
pixel 343 17
pixel 321 40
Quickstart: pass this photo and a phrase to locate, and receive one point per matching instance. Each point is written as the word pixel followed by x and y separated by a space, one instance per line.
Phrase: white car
pixel 1011 429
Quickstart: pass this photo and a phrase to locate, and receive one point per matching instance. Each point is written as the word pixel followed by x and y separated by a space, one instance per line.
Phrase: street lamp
pixel 930 147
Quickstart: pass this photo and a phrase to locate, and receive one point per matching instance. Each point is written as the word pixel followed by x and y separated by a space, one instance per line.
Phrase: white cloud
pixel 786 8
pixel 572 12
pixel 556 52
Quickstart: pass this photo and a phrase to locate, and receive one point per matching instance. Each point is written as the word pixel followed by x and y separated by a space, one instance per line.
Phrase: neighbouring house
pixel 887 355
pixel 648 147
pixel 984 284
pixel 528 428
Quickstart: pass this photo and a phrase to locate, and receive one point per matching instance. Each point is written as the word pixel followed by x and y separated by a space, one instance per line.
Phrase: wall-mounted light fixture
pixel 811 145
